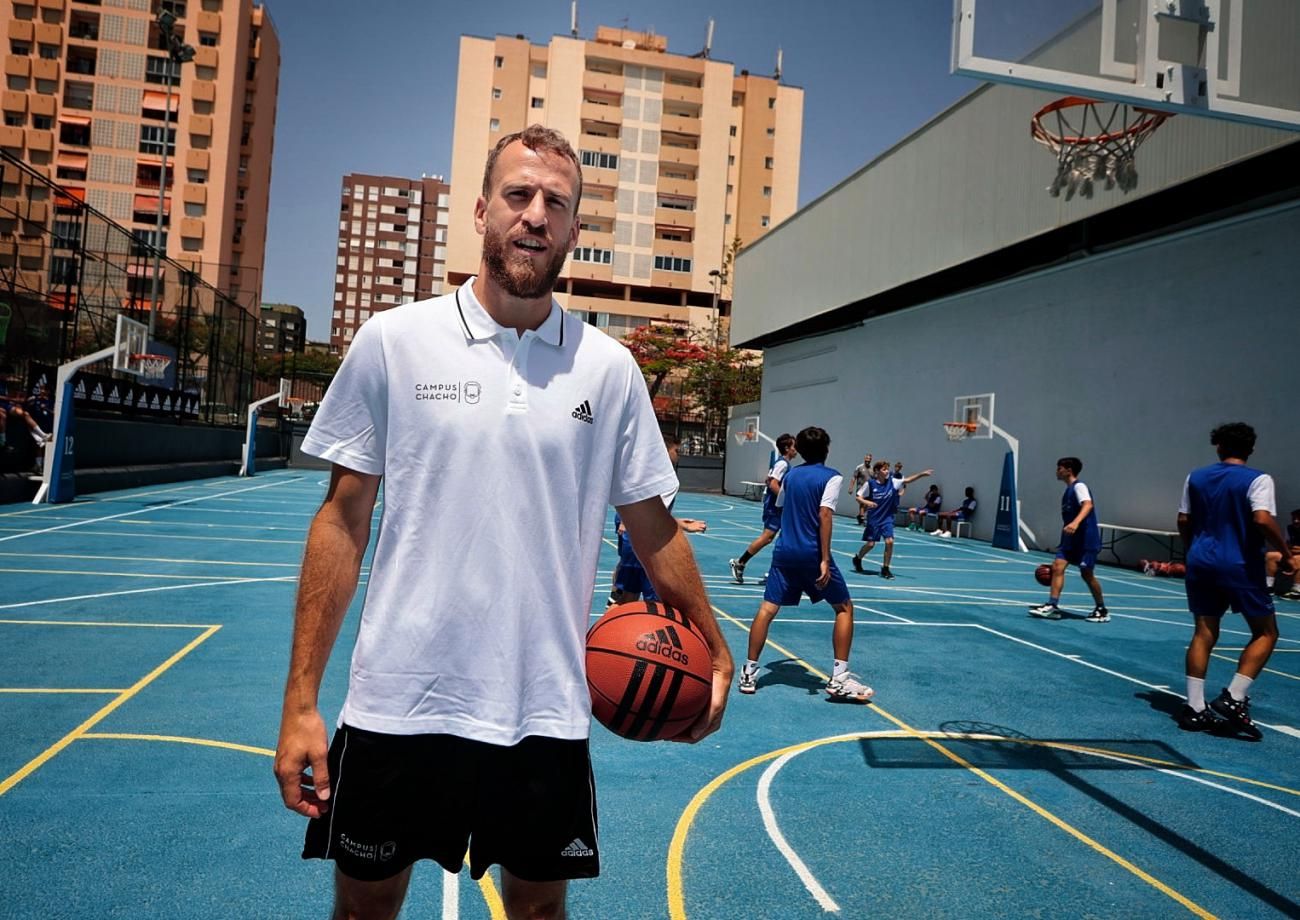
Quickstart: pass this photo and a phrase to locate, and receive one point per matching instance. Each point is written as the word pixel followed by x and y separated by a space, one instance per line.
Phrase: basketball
pixel 648 671
pixel 1043 574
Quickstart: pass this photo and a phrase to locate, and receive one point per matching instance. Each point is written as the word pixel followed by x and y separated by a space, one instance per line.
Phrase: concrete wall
pixel 1126 360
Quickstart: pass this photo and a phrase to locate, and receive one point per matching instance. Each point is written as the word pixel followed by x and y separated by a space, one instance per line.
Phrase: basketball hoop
pixel 1107 154
pixel 959 431
pixel 152 367
pixel 745 437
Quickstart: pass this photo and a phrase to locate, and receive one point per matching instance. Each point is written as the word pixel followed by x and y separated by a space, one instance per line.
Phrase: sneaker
pixel 762 579
pixel 847 687
pixel 857 565
pixel 1237 714
pixel 1046 612
pixel 748 681
pixel 1189 720
pixel 1099 615
pixel 936 532
pixel 861 522
pixel 1291 595
pixel 737 571
pixel 885 573
pixel 947 534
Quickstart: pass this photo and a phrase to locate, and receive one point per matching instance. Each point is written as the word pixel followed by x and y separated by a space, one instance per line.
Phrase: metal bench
pixel 753 490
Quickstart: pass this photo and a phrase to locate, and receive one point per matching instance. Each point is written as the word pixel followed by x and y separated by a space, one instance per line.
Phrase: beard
pixel 516 274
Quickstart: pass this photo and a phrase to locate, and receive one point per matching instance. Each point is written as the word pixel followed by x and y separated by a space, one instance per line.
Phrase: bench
pixel 1118 533
pixel 753 490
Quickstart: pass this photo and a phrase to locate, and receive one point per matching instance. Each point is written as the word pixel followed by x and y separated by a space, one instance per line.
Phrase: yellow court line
pixel 59 690
pixel 36 762
pixel 1266 670
pixel 496 907
pixel 676 899
pixel 97 623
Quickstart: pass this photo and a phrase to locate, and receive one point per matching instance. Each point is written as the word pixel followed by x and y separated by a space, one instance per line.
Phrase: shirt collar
pixel 477 323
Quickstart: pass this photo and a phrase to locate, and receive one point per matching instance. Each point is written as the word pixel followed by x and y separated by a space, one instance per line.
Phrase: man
pixel 930 505
pixel 880 495
pixel 1225 519
pixel 467 713
pixel 630 580
pixel 1273 560
pixel 861 473
pixel 771 510
pixel 802 564
pixel 1080 543
pixel 965 513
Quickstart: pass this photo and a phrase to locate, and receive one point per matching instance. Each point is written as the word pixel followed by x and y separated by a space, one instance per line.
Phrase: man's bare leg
pixel 526 900
pixel 358 900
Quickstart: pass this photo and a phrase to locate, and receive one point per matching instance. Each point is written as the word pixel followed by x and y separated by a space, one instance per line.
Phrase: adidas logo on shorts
pixel 583 413
pixel 577 848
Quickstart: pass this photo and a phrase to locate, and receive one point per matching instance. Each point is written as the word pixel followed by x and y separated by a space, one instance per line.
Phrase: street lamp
pixel 715 278
pixel 178 53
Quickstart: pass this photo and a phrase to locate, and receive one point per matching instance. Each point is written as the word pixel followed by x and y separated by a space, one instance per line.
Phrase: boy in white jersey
pixel 802 564
pixel 771 507
pixel 466 721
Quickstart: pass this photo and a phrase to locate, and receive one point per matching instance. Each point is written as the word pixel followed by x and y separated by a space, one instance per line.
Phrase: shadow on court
pixel 790 673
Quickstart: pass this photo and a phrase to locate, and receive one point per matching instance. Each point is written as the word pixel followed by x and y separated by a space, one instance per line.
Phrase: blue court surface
pixel 1009 767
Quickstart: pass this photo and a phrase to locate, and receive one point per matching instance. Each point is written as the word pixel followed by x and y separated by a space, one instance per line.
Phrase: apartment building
pixel 682 156
pixel 282 328
pixel 392 248
pixel 94 100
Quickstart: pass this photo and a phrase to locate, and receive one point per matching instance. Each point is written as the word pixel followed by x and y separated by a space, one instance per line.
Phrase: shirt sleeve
pixel 1081 493
pixel 1185 503
pixel 831 494
pixel 351 426
pixel 1260 494
pixel 779 469
pixel 641 465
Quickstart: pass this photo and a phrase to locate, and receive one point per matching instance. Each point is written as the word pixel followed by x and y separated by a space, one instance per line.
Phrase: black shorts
pixel 530 808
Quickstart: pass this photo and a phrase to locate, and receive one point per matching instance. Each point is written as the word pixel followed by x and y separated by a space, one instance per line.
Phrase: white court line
pixel 774 832
pixel 289 565
pixel 143 535
pixel 111 517
pixel 199 584
pixel 450 895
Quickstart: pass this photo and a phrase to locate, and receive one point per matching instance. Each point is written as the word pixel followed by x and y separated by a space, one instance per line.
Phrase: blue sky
pixel 375 93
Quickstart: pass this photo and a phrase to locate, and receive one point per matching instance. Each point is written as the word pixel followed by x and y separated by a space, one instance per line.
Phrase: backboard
pixel 976 409
pixel 132 339
pixel 1231 59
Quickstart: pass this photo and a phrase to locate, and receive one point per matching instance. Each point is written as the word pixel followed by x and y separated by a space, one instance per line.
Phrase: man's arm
pixel 328 579
pixel 825 520
pixel 1185 530
pixel 666 555
pixel 1084 509
pixel 1273 535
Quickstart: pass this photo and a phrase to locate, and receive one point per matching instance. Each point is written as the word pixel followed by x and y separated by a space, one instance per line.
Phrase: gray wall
pixel 1126 360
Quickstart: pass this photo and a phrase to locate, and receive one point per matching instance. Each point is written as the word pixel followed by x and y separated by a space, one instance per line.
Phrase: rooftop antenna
pixel 708 39
pixel 573 18
pixel 778 62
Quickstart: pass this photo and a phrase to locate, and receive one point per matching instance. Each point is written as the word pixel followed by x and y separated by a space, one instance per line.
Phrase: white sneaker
pixel 737 571
pixel 946 534
pixel 1045 611
pixel 848 687
pixel 748 681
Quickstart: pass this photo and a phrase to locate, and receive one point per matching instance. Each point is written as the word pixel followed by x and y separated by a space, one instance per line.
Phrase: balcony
pixel 680 124
pixel 684 155
pixel 596 240
pixel 197 159
pixel 676 249
pixel 204 91
pixel 675 92
pixel 40 140
pixel 602 113
pixel 53 4
pixel 209 22
pixel 45 69
pixel 191 228
pixel 49 33
pixel 201 125
pixel 595 175
pixel 672 217
pixel 13 138
pixel 18 65
pixel 205 57
pixel 685 188
pixel 600 144
pixel 194 194
pixel 605 82
pixel 22 30
pixel 13 101
pixel 594 207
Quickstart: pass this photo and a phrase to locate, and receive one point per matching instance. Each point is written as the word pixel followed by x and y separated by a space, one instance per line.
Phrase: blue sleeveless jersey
pixel 778 472
pixel 1088 536
pixel 885 495
pixel 1226 544
pixel 800 539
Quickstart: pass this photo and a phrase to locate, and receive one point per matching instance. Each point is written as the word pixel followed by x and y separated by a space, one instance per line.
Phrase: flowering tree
pixel 660 349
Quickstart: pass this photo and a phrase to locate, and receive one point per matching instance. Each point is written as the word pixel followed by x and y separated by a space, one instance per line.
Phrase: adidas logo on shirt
pixel 577 848
pixel 583 412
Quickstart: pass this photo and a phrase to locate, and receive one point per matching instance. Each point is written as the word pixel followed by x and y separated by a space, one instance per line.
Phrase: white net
pixel 1093 142
pixel 152 367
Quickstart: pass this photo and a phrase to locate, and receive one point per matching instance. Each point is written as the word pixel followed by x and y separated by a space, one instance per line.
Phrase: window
pixel 496 90
pixel 600 160
pixel 730 188
pixel 733 130
pixel 767 191
pixel 151 139
pixel 499 62
pixel 672 264
pixel 537 102
pixel 767 162
pixel 539 71
pixel 207 40
pixel 727 220
pixel 765 221
pixel 494 124
pixel 587 254
pixel 771 102
pixel 731 159
pixel 157 68
pixel 771 132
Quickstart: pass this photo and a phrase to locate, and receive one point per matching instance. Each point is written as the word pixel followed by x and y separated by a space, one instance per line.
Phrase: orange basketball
pixel 1043 574
pixel 648 671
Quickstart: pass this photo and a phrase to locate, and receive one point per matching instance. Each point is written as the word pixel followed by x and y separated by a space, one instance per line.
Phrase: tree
pixel 660 349
pixel 298 364
pixel 723 377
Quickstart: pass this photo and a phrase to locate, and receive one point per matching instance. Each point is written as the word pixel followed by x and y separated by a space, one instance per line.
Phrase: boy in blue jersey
pixel 965 513
pixel 785 449
pixel 1225 520
pixel 880 496
pixel 802 564
pixel 1080 543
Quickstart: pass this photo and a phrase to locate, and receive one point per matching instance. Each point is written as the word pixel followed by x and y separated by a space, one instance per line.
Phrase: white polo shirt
pixel 500 454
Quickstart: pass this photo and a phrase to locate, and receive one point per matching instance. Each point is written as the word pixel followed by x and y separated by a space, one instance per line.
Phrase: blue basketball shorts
pixel 772 519
pixel 632 577
pixel 787 583
pixel 1207 597
pixel 1077 555
pixel 875 531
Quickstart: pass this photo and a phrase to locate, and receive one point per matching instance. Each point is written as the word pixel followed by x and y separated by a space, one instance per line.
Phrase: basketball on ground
pixel 1043 574
pixel 648 671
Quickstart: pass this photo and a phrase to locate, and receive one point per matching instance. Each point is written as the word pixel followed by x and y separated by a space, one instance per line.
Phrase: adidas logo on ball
pixel 665 643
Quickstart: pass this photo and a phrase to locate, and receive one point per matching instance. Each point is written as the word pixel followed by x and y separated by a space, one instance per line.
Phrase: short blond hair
pixel 534 137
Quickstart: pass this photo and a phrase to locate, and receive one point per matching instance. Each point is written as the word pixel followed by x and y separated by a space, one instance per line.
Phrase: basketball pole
pixel 59 461
pixel 249 461
pixel 1013 444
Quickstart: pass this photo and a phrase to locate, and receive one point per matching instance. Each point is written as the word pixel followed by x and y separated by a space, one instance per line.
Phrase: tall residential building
pixel 281 328
pixel 392 248
pixel 86 104
pixel 682 156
